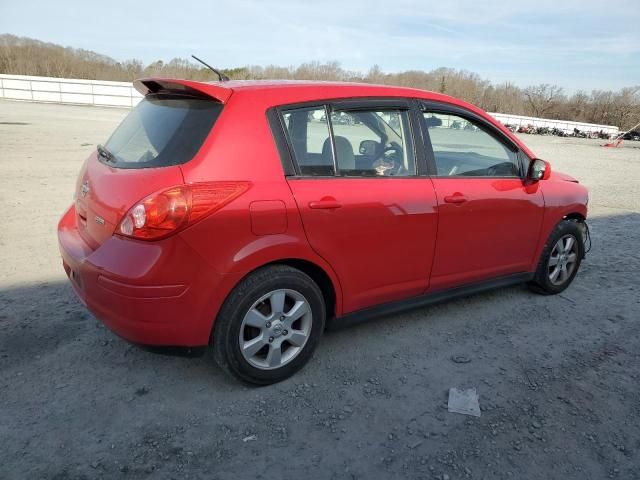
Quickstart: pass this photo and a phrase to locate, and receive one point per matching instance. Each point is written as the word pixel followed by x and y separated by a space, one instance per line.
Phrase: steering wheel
pixel 492 171
pixel 500 169
pixel 393 154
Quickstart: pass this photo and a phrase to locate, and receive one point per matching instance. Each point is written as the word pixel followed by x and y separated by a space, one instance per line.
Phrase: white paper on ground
pixel 464 402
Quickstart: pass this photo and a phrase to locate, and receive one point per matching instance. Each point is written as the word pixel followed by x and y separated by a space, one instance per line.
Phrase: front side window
pixel 368 143
pixel 462 148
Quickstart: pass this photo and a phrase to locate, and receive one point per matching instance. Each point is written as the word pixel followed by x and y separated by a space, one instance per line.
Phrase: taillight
pixel 164 213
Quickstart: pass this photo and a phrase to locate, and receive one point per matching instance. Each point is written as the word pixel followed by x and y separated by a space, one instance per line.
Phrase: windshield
pixel 161 131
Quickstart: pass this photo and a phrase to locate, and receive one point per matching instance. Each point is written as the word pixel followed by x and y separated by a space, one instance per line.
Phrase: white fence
pixel 564 125
pixel 67 90
pixel 122 94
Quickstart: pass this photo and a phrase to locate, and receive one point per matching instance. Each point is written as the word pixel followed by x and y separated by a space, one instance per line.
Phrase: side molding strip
pixel 427 299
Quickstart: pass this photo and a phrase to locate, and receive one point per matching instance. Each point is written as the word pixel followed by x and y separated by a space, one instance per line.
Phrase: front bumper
pixel 152 293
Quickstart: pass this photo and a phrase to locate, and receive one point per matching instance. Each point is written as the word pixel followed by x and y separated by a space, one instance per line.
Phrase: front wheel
pixel 269 325
pixel 560 259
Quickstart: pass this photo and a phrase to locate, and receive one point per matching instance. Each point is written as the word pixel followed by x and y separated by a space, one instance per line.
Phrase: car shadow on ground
pixel 36 320
pixel 551 373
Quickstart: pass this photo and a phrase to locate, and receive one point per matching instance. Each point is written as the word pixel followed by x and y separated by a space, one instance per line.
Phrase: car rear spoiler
pixel 147 86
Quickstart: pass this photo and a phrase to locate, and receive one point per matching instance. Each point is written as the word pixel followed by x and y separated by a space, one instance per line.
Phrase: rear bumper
pixel 153 293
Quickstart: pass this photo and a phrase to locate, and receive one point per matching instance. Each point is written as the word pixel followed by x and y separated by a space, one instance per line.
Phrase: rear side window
pixel 373 143
pixel 308 131
pixel 161 131
pixel 353 143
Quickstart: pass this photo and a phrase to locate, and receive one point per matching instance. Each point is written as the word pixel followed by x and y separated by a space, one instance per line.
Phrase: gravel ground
pixel 558 377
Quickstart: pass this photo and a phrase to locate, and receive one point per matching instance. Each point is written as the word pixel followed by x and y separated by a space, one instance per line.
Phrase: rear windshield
pixel 162 131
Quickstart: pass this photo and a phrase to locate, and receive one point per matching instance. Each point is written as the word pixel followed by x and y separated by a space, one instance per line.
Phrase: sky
pixel 575 44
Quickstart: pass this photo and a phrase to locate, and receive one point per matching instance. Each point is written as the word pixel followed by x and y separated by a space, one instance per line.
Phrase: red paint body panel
pixel 147 293
pixel 218 91
pixel 268 217
pixel 493 232
pixel 380 239
pixel 563 197
pixel 376 239
pixel 113 191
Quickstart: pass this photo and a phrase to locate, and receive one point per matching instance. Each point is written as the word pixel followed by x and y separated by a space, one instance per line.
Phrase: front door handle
pixel 325 203
pixel 455 198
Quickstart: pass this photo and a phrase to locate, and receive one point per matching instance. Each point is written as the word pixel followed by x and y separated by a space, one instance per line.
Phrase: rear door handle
pixel 455 198
pixel 325 203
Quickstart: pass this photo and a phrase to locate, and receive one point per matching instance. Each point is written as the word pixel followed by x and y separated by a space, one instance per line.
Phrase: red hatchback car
pixel 246 214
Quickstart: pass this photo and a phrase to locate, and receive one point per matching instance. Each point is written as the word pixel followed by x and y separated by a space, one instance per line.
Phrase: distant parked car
pixel 580 133
pixel 558 132
pixel 227 214
pixel 527 129
pixel 341 118
pixel 632 135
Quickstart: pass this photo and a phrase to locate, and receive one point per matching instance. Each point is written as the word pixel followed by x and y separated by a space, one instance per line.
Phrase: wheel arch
pixel 553 216
pixel 318 275
pixel 577 216
pixel 326 281
pixel 544 281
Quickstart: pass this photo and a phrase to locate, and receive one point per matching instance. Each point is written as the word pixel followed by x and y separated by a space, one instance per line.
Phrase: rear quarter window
pixel 162 131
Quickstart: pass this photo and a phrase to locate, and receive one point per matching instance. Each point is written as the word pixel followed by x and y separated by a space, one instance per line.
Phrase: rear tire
pixel 560 259
pixel 269 325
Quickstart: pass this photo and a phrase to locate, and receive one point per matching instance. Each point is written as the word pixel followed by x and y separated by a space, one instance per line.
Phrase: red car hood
pixel 559 176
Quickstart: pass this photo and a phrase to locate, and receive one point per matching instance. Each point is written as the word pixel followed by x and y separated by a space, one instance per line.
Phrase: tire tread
pixel 223 337
pixel 541 283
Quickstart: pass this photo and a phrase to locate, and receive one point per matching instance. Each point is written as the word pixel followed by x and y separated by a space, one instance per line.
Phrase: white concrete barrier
pixel 68 90
pixel 564 125
pixel 122 94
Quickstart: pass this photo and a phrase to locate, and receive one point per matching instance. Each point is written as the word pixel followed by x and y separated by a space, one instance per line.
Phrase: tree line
pixel 26 56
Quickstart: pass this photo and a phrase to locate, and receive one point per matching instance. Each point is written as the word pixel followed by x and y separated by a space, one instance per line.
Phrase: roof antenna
pixel 221 76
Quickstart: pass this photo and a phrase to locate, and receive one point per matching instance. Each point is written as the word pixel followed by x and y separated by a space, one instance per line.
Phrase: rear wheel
pixel 269 325
pixel 560 259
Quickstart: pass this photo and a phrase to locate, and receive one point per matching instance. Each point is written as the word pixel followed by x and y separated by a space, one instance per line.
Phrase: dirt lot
pixel 558 377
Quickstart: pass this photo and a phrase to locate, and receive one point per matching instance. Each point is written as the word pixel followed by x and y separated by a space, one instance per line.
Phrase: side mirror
pixel 539 170
pixel 368 148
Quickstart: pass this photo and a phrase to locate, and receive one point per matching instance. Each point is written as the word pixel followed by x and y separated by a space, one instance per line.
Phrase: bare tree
pixel 26 56
pixel 626 106
pixel 542 98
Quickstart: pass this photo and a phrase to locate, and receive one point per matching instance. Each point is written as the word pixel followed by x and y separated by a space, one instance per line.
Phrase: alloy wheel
pixel 563 259
pixel 275 329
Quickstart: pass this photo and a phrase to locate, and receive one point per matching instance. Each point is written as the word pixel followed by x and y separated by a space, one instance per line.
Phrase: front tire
pixel 560 259
pixel 269 325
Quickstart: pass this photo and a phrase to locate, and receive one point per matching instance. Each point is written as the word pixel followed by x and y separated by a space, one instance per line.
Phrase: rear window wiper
pixel 106 154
